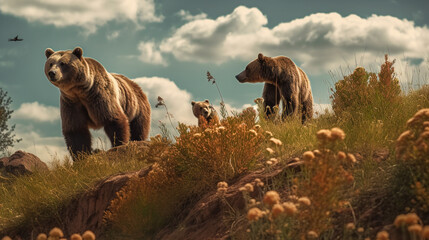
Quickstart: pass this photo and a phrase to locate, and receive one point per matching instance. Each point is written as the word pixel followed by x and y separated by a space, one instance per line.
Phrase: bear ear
pixel 193 103
pixel 207 101
pixel 78 52
pixel 49 52
pixel 261 57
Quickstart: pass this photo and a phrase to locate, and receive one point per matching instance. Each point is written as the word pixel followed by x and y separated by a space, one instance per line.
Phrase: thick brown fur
pixel 91 97
pixel 283 81
pixel 204 112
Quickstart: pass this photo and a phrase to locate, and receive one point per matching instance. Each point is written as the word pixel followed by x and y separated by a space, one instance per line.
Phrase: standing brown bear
pixel 283 80
pixel 91 97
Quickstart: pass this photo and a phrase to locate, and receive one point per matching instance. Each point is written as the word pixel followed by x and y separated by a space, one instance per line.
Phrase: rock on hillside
pixel 86 212
pixel 22 163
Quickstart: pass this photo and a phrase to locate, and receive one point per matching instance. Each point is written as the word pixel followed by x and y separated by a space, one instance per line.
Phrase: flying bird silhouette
pixel 15 39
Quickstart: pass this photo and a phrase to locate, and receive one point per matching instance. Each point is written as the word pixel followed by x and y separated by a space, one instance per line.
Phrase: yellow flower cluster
pixel 326 135
pixel 254 214
pixel 308 156
pixel 415 140
pixel 270 151
pixel 383 235
pixel 271 198
pixel 276 141
pixel 274 208
pixel 413 224
pixel 406 219
pixel 222 187
pixel 412 147
pixel 258 182
pixel 408 223
pixel 57 234
pixel 248 187
pixel 305 201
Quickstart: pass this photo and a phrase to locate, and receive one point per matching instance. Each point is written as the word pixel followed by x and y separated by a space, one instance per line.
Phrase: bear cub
pixel 204 112
pixel 93 98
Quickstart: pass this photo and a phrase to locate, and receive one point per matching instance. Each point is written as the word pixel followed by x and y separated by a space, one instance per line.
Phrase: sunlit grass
pixel 38 198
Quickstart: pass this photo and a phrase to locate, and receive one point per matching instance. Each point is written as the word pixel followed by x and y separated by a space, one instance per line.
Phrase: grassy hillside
pixel 357 177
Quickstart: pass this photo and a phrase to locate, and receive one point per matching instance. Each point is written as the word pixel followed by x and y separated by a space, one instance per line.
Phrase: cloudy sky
pixel 168 46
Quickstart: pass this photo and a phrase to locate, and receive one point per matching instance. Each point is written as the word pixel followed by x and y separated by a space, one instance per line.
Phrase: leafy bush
pixel 201 157
pixel 361 91
pixel 218 153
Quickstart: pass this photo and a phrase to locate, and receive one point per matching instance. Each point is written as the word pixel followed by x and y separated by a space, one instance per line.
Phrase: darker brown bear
pixel 285 81
pixel 91 97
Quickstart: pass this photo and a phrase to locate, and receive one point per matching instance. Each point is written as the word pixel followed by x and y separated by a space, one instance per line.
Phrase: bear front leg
pixel 307 110
pixel 291 101
pixel 271 96
pixel 139 128
pixel 118 131
pixel 74 123
pixel 291 107
pixel 78 141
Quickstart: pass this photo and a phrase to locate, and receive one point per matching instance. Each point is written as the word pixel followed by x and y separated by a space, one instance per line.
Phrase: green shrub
pixel 362 92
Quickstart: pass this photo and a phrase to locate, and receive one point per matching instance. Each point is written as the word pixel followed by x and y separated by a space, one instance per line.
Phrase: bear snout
pixel 52 75
pixel 241 77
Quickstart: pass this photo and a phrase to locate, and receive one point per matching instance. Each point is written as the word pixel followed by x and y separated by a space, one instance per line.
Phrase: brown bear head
pixel 255 70
pixel 202 109
pixel 65 69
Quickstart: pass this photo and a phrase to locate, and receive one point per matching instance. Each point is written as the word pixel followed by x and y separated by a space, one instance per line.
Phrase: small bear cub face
pixel 63 68
pixel 202 109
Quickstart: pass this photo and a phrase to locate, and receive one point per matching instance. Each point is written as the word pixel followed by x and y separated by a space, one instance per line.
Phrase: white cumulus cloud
pixel 113 35
pixel 178 102
pixel 37 112
pixel 85 14
pixel 320 41
pixel 187 16
pixel 150 54
pixel 46 148
pixel 208 40
pixel 6 56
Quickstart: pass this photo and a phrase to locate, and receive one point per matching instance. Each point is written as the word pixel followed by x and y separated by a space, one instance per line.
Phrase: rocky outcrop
pixel 86 212
pixel 22 162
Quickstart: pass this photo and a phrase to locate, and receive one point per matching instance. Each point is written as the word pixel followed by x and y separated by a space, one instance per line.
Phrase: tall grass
pixel 31 201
